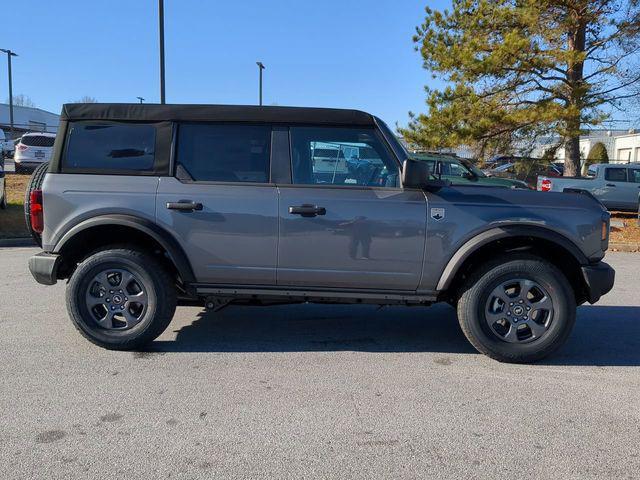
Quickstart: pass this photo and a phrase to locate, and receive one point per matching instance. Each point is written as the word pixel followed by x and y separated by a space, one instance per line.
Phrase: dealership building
pixel 27 119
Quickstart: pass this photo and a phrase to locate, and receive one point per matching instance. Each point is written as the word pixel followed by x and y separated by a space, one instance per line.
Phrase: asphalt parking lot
pixel 313 391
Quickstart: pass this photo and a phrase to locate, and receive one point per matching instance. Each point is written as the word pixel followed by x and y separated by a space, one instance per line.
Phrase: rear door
pixel 634 187
pixel 349 226
pixel 220 204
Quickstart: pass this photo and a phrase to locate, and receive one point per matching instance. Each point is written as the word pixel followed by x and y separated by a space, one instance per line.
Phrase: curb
pixel 17 242
pixel 624 247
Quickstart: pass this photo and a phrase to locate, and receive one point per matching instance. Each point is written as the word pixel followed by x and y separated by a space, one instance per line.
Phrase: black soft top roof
pixel 213 113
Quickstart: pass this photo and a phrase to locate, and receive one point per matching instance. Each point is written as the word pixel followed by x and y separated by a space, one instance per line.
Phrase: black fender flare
pixel 497 233
pixel 164 238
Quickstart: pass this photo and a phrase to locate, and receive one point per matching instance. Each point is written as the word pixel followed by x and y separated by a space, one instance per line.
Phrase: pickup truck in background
pixel 617 186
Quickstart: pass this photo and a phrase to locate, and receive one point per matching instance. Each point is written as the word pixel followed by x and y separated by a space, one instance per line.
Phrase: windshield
pixel 397 145
pixel 475 170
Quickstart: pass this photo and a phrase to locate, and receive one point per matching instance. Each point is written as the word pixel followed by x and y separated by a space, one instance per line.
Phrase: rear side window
pixel 616 174
pixel 38 141
pixel 224 153
pixel 634 175
pixel 104 147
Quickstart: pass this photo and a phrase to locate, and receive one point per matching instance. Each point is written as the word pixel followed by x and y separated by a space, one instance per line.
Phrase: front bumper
pixel 599 279
pixel 44 267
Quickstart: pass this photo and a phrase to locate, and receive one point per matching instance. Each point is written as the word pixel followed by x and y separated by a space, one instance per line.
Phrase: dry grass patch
pixel 12 223
pixel 630 233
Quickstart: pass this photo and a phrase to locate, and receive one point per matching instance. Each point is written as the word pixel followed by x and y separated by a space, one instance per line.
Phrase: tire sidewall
pixel 80 314
pixel 551 279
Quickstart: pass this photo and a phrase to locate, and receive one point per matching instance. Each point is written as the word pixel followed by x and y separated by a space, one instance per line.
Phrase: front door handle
pixel 184 206
pixel 307 210
pixel 610 185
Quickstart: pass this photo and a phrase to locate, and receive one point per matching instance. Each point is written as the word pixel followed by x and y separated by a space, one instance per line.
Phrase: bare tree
pixel 22 100
pixel 86 99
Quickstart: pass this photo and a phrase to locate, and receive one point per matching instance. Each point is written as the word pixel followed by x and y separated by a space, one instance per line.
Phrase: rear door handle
pixel 307 210
pixel 610 185
pixel 184 206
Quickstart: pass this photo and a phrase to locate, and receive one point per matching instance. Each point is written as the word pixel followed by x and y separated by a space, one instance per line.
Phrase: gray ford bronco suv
pixel 146 207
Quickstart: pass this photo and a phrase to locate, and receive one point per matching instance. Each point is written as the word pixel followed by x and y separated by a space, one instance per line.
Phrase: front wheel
pixel 517 309
pixel 121 299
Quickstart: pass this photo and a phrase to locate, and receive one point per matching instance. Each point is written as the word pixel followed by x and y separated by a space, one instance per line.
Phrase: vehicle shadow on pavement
pixel 300 328
pixel 603 336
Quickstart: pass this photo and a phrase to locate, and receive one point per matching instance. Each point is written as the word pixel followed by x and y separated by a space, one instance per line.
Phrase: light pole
pixel 161 29
pixel 141 99
pixel 9 55
pixel 261 67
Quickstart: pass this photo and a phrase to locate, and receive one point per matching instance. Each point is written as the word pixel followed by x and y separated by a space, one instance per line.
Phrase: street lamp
pixel 9 55
pixel 141 99
pixel 161 29
pixel 261 67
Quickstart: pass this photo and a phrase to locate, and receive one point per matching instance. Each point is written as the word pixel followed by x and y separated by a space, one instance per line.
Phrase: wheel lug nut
pixel 112 307
pixel 107 300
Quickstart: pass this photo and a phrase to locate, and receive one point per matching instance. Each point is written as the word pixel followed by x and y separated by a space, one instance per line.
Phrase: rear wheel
pixel 121 299
pixel 517 309
pixel 35 183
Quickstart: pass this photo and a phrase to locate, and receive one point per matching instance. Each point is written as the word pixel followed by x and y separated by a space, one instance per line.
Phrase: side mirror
pixel 415 174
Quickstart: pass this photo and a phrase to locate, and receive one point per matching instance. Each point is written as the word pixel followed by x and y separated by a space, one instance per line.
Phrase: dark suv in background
pixel 145 207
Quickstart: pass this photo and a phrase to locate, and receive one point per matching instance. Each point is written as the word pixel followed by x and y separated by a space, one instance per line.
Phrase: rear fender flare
pixel 166 240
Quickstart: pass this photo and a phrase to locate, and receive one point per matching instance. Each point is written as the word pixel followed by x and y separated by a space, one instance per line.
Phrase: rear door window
pixel 223 153
pixel 634 175
pixel 616 174
pixel 110 147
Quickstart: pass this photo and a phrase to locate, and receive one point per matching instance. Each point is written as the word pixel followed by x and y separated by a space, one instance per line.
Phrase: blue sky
pixel 347 53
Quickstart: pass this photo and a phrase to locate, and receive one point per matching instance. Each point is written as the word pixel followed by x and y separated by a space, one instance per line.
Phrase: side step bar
pixel 324 295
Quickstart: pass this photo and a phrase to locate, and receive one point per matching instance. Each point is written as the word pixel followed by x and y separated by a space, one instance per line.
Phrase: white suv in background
pixel 33 149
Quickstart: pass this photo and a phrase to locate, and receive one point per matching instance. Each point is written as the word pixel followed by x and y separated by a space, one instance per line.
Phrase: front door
pixel 344 221
pixel 220 205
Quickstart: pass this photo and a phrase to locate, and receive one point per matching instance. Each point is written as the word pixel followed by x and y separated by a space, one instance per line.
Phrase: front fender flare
pixel 493 234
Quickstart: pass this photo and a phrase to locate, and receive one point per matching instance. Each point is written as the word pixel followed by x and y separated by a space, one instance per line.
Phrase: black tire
pixel 475 295
pixel 157 282
pixel 35 183
pixel 3 200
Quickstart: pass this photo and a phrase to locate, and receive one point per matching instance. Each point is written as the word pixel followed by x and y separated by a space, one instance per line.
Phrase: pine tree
pixel 519 69
pixel 598 154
